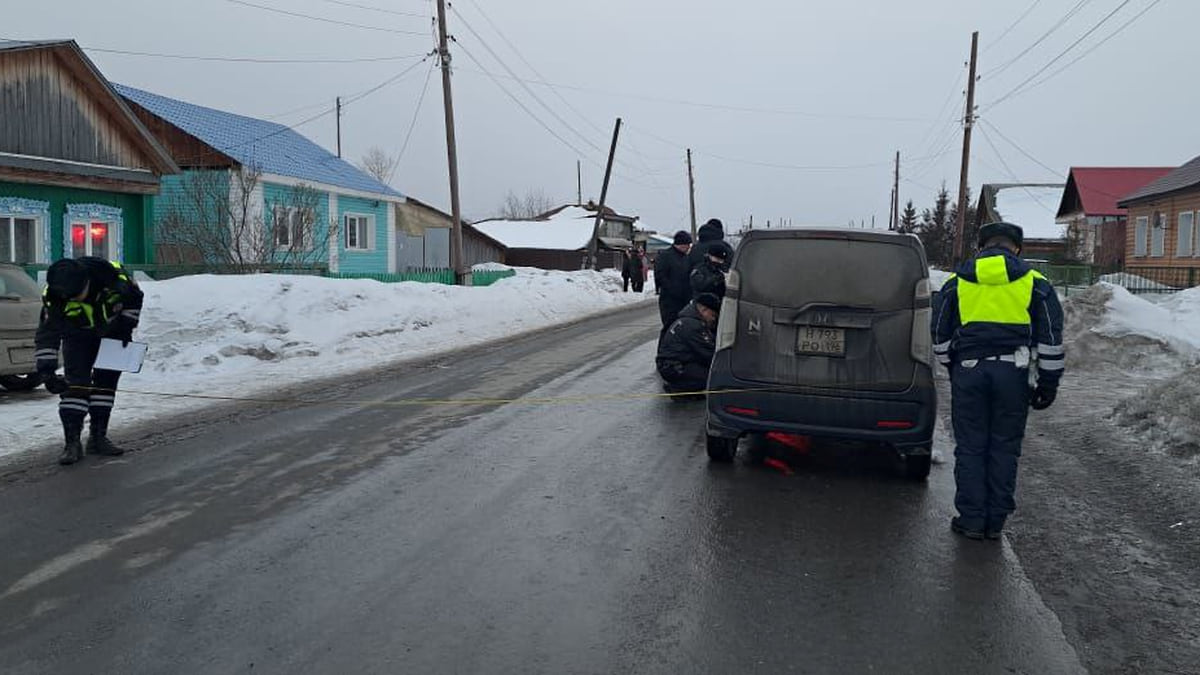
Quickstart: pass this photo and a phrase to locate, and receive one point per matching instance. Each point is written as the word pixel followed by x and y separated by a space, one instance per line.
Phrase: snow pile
pixel 1174 322
pixel 1108 326
pixel 1165 413
pixel 938 278
pixel 246 335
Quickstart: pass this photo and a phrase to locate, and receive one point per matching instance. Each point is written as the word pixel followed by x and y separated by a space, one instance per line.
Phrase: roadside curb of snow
pixel 38 461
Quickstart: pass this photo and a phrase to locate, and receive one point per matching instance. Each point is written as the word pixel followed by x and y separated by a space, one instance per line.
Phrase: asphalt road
pixel 584 536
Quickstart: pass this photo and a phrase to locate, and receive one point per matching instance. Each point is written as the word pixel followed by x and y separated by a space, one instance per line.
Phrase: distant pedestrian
pixel 626 268
pixel 711 235
pixel 637 270
pixel 86 299
pixel 992 322
pixel 709 276
pixel 672 276
pixel 685 351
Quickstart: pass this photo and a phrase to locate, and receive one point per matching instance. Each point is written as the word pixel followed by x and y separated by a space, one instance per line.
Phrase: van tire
pixel 916 467
pixel 721 450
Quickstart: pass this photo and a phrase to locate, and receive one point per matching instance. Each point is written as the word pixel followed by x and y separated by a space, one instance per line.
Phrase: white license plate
pixel 821 341
pixel 19 356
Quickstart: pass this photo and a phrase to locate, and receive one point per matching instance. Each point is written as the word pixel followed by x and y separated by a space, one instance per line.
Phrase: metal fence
pixel 429 276
pixel 1138 280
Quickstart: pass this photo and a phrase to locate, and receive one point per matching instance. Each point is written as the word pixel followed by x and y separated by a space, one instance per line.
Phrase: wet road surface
pixel 586 536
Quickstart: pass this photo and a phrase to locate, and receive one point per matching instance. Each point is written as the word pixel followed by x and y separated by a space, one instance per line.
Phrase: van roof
pixel 847 233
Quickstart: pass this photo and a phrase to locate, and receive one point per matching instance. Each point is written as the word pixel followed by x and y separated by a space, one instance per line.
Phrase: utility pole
pixel 339 126
pixel 691 192
pixel 895 224
pixel 579 182
pixel 462 275
pixel 593 259
pixel 968 122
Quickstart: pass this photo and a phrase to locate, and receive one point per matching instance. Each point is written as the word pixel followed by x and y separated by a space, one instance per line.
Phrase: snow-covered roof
pixel 568 230
pixel 1033 207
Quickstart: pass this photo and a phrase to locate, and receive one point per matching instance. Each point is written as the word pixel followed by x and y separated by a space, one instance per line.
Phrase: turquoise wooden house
pixel 78 170
pixel 262 186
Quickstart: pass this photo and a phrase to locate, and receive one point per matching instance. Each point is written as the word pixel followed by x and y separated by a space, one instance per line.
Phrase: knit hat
pixel 682 237
pixel 66 279
pixel 719 252
pixel 709 300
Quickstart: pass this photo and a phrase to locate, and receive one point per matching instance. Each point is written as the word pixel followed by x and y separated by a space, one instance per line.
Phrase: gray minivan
pixel 20 309
pixel 825 333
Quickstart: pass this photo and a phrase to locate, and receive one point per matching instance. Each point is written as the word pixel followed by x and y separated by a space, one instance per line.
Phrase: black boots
pixel 73 449
pixel 98 443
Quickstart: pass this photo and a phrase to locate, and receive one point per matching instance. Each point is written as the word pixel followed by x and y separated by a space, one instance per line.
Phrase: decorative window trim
pixel 89 213
pixel 31 208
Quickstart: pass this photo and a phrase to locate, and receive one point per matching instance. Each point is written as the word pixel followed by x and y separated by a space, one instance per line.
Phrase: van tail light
pixel 744 412
pixel 922 339
pixel 727 325
pixel 794 441
pixel 894 424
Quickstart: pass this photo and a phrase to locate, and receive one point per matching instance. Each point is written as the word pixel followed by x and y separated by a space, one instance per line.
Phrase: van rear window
pixel 851 273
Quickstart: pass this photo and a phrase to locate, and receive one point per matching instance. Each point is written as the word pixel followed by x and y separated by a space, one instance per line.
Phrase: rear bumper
pixel 16 357
pixel 905 420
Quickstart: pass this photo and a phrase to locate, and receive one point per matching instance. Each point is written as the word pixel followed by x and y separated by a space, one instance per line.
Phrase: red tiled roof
pixel 1100 188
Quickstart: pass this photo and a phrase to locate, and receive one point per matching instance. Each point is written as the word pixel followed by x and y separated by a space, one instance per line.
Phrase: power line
pixel 1012 26
pixel 248 59
pixel 377 9
pixel 1012 174
pixel 324 19
pixel 1091 49
pixel 416 114
pixel 1021 150
pixel 1061 54
pixel 1067 17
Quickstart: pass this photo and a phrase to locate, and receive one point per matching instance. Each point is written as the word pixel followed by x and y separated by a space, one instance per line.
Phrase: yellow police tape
pixel 410 402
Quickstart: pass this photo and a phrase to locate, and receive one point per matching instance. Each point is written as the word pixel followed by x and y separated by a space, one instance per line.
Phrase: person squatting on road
pixel 709 276
pixel 85 299
pixel 992 322
pixel 672 277
pixel 685 352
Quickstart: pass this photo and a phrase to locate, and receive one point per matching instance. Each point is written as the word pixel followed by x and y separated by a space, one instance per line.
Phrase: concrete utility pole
pixel 462 275
pixel 692 192
pixel 339 125
pixel 579 182
pixel 968 122
pixel 593 259
pixel 895 222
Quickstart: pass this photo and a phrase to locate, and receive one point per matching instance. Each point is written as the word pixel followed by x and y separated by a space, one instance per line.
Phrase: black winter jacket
pixel 709 236
pixel 708 278
pixel 672 276
pixel 688 340
pixel 112 308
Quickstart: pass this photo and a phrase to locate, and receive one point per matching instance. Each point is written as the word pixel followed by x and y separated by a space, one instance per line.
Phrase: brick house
pixel 1163 238
pixel 1095 225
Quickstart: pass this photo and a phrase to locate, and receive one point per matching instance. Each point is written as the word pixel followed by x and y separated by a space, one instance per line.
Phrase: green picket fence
pixel 430 276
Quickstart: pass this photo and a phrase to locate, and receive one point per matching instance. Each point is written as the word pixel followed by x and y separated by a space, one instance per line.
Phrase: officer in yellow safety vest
pixel 997 326
pixel 86 299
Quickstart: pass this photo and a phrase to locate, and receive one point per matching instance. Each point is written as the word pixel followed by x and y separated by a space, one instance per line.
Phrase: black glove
pixel 120 328
pixel 1042 398
pixel 56 384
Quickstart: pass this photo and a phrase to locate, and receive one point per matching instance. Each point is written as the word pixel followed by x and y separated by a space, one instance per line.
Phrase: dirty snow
pixel 250 335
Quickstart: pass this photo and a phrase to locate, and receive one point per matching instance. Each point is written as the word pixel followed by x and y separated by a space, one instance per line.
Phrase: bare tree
pixel 534 203
pixel 380 165
pixel 215 219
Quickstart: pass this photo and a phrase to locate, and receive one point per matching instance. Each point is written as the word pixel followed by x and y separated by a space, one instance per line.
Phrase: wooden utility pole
pixel 692 192
pixel 895 222
pixel 968 122
pixel 339 125
pixel 462 275
pixel 593 259
pixel 579 182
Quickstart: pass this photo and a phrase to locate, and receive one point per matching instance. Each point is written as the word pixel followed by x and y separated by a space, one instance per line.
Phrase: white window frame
pixel 1185 240
pixel 290 214
pixel 1141 237
pixel 1158 236
pixel 8 230
pixel 88 215
pixel 364 241
pixel 29 209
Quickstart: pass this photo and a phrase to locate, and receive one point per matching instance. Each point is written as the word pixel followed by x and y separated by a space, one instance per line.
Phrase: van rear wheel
pixel 721 450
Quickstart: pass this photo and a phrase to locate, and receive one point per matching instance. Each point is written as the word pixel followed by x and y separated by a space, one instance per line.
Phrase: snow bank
pixel 938 278
pixel 245 335
pixel 1165 413
pixel 1108 326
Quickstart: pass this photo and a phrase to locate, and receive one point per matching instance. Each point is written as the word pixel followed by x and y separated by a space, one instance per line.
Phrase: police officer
pixel 685 352
pixel 709 276
pixel 86 299
pixel 994 322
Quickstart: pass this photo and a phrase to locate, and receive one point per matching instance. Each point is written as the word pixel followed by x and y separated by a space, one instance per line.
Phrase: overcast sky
pixel 793 108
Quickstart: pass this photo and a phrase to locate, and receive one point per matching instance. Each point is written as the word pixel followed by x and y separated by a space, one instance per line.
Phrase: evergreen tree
pixel 908 219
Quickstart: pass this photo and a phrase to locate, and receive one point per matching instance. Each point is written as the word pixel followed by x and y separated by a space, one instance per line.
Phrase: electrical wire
pixel 416 113
pixel 322 19
pixel 246 59
pixel 1059 24
pixel 1035 160
pixel 1012 174
pixel 1011 26
pixel 356 5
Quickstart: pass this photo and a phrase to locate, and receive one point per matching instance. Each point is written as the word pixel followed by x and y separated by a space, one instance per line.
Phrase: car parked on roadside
pixel 825 333
pixel 20 309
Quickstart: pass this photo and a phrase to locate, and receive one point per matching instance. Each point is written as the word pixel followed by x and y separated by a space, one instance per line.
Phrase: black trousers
pixel 681 377
pixel 639 283
pixel 668 311
pixel 91 391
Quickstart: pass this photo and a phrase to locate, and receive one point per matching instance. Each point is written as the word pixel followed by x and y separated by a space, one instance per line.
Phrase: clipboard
pixel 125 358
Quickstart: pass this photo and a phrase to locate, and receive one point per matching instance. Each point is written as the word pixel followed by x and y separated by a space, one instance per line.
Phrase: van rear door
pixel 829 310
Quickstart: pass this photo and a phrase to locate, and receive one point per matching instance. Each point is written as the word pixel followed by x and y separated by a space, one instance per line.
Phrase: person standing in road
pixel 637 270
pixel 626 269
pixel 994 322
pixel 711 235
pixel 685 351
pixel 709 277
pixel 672 275
pixel 86 299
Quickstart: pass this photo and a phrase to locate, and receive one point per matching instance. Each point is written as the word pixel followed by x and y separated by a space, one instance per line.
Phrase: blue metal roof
pixel 267 146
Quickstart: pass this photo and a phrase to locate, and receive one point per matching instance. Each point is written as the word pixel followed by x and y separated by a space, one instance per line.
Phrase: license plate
pixel 821 341
pixel 19 356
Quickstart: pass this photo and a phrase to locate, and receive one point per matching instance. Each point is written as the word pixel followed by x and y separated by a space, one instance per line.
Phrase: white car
pixel 20 309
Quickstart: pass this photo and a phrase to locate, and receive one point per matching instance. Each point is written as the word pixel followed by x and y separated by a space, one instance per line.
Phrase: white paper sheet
pixel 114 356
